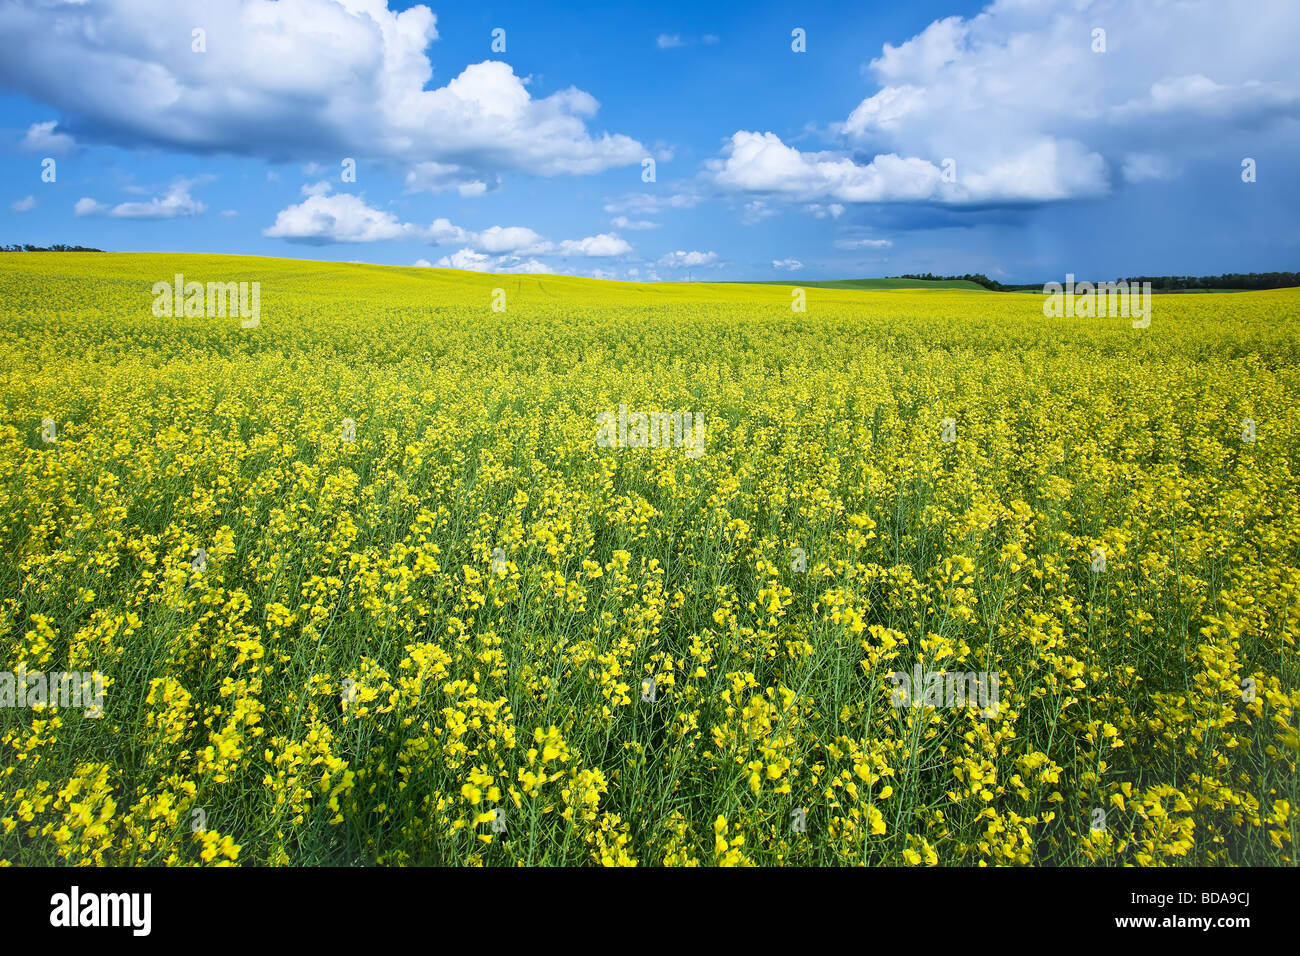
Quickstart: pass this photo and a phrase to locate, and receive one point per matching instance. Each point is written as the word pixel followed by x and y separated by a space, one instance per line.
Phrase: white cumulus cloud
pixel 632 225
pixel 475 261
pixel 294 79
pixel 1014 105
pixel 681 259
pixel 343 217
pixel 605 244
pixel 42 138
pixel 519 239
pixel 440 177
pixel 467 259
pixel 761 162
pixel 175 203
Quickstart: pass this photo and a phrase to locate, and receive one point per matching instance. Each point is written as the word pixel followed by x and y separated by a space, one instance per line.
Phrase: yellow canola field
pixel 362 586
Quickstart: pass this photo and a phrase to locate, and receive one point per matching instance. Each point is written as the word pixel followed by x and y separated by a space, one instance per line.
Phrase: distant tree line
pixel 1231 280
pixel 58 247
pixel 977 277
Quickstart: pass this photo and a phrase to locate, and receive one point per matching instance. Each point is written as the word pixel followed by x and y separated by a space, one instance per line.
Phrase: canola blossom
pixel 392 576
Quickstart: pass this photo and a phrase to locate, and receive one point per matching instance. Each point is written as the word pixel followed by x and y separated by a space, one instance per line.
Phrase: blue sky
pixel 1009 138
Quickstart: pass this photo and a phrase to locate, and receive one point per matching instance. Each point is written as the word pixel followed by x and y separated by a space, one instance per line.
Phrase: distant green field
pixel 877 284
